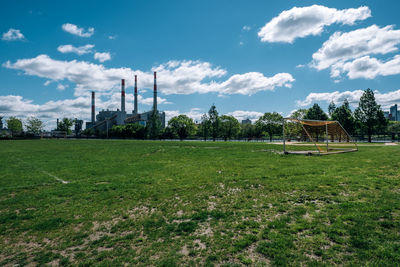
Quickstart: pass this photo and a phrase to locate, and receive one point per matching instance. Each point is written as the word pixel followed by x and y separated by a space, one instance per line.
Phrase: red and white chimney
pixel 123 95
pixel 93 109
pixel 155 92
pixel 135 111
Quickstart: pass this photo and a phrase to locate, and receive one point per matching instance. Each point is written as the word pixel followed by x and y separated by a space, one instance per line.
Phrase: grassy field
pixel 196 203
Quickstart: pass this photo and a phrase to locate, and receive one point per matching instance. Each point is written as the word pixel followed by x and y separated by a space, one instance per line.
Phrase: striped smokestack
pixel 135 103
pixel 123 95
pixel 93 110
pixel 155 92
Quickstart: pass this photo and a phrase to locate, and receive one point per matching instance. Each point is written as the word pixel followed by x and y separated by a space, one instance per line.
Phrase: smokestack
pixel 155 92
pixel 93 111
pixel 123 95
pixel 135 103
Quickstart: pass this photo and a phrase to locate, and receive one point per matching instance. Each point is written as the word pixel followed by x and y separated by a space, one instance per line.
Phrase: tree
pixel 182 125
pixel 299 114
pixel 316 113
pixel 344 116
pixel 230 127
pixel 295 130
pixel 369 114
pixel 34 125
pixel 394 128
pixel 137 130
pixel 270 123
pixel 154 126
pixel 247 131
pixel 205 127
pixel 331 108
pixel 168 133
pixel 15 125
pixel 214 122
pixel 65 125
pixel 1 122
pixel 88 132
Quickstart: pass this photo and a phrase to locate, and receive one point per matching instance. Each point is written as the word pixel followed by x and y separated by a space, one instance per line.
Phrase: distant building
pixel 394 114
pixel 246 121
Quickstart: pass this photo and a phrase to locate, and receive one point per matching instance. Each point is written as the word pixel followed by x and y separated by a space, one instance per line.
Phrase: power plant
pixel 107 118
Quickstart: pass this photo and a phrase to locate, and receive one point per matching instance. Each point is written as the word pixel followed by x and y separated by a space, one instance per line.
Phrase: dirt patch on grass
pixel 140 211
pixel 211 205
pixel 204 230
pixel 390 144
pixel 198 244
pixel 184 250
pixel 255 256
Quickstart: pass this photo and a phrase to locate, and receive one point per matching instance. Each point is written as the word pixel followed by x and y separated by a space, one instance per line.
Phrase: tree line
pixel 367 119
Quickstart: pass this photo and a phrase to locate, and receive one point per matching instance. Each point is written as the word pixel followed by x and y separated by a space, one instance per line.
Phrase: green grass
pixel 196 203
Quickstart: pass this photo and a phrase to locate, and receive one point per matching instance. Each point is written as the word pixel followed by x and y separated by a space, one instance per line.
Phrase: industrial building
pixel 105 119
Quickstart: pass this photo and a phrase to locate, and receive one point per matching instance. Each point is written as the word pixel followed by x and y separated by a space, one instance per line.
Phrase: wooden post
pixel 326 126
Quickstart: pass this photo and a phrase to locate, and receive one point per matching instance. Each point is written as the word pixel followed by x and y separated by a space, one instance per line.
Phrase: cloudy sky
pixel 246 57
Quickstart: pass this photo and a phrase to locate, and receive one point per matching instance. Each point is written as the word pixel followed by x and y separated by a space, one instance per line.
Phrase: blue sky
pixel 247 57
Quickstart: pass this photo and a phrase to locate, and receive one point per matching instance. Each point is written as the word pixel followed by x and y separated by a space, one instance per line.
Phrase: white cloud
pixel 300 66
pixel 300 22
pixel 12 35
pixel 81 50
pixel 368 68
pixel 75 30
pixel 112 37
pixel 337 97
pixel 342 47
pixel 174 77
pixel 12 105
pixel 246 28
pixel 253 82
pixel 102 56
pixel 187 77
pixel 46 83
pixel 243 114
pixel 384 99
pixel 149 101
pixel 87 76
pixel 60 87
pixel 194 113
